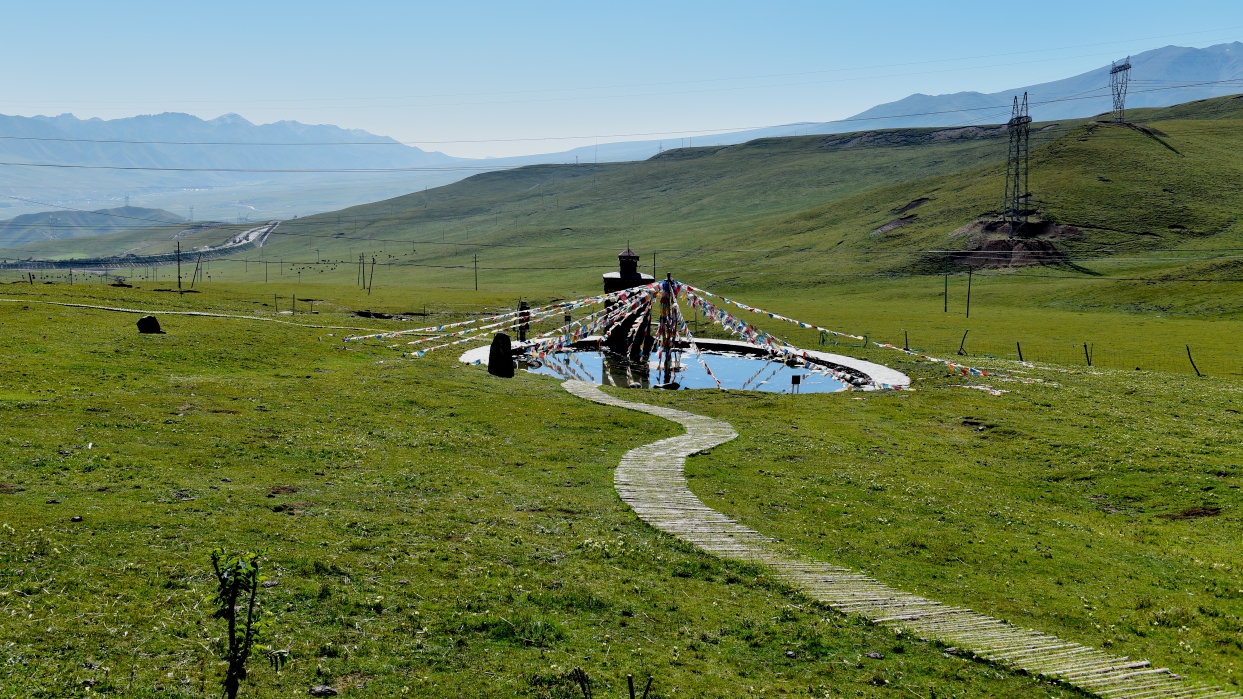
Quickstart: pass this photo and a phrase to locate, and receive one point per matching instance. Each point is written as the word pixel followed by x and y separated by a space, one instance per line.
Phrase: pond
pixel 737 372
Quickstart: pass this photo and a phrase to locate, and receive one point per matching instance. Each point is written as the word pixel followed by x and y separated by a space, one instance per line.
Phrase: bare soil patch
pixel 1193 513
pixel 914 204
pixel 893 225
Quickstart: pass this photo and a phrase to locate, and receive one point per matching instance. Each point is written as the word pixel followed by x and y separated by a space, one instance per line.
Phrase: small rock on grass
pixel 53 501
pixel 875 655
pixel 323 690
pixel 76 518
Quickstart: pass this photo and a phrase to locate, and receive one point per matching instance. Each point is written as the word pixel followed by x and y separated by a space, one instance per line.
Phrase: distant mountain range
pixel 55 225
pixel 183 146
pixel 1159 78
pixel 180 144
pixel 173 140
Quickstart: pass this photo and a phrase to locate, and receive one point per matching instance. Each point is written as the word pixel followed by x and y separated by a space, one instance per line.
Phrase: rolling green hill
pixel 1157 198
pixel 156 240
pixel 59 225
pixel 680 193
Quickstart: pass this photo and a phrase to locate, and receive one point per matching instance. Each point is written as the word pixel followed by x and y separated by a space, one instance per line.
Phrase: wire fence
pixel 1166 356
pixel 1204 358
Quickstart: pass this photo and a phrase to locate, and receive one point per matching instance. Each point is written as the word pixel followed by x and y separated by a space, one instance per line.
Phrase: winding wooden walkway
pixel 650 479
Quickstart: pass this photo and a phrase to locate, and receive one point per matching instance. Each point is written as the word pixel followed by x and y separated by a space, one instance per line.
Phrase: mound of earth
pixel 1046 230
pixel 989 243
pixel 1010 252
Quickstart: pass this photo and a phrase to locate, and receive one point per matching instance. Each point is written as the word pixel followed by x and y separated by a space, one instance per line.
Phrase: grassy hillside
pixel 149 241
pixel 58 225
pixel 683 198
pixel 448 522
pixel 1124 188
pixel 1154 201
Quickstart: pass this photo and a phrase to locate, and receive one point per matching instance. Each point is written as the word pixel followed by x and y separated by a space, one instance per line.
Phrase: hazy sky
pixel 460 71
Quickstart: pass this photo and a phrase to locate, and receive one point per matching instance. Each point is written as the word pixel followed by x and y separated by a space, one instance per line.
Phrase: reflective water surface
pixel 735 371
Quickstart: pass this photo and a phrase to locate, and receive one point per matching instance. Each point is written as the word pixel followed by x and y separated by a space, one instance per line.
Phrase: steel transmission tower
pixel 1015 209
pixel 1119 76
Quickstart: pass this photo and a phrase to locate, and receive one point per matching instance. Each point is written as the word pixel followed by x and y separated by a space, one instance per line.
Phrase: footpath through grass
pixel 431 530
pixel 1104 510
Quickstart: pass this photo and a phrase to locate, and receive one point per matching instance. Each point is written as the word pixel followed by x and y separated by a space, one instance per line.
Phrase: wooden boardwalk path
pixel 650 479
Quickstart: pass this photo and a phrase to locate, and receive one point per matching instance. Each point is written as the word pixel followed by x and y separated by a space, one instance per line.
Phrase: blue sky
pixel 466 71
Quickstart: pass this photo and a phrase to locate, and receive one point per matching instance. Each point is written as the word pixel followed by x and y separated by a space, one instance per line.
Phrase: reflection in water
pixel 735 371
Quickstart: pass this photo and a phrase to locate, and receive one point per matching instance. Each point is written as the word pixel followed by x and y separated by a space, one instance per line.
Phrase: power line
pixel 676 93
pixel 703 80
pixel 467 218
pixel 458 168
pixel 716 131
pixel 731 271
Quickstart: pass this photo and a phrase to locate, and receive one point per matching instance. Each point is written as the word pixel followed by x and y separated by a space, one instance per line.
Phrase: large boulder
pixel 149 325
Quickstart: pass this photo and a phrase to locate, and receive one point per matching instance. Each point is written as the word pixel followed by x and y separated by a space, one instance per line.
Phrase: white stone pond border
pixel 881 375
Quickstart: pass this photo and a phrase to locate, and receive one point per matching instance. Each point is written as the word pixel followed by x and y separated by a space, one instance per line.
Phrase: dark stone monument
pixel 149 325
pixel 500 359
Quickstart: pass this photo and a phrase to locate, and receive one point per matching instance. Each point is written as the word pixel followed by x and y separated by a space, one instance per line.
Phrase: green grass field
pixel 446 532
pixel 453 532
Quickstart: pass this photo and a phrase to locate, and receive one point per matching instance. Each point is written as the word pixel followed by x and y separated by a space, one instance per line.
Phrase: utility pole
pixel 1119 76
pixel 476 272
pixel 179 265
pixel 968 292
pixel 1015 208
pixel 197 266
pixel 653 264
